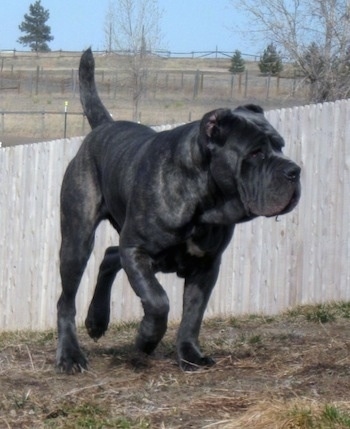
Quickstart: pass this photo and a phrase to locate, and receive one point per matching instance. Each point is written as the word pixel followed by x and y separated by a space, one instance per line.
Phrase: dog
pixel 174 198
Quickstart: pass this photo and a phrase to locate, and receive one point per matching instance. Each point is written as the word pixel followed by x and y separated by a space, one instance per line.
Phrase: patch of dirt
pixel 258 361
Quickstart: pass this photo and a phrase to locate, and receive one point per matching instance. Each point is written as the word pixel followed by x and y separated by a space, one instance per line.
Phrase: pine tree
pixel 34 24
pixel 314 61
pixel 237 63
pixel 270 61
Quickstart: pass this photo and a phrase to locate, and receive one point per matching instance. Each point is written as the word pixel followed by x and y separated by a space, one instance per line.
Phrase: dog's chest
pixel 194 249
pixel 201 247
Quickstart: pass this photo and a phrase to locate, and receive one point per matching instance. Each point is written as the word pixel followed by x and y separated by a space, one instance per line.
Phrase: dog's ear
pixel 216 125
pixel 252 107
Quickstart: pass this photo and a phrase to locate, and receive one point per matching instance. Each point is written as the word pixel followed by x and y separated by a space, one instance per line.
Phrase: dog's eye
pixel 258 153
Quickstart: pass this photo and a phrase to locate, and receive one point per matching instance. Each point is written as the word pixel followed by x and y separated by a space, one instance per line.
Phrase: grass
pixel 293 414
pixel 323 313
pixel 288 371
pixel 90 416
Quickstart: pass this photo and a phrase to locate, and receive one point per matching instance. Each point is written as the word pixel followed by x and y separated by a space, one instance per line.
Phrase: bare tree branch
pixel 311 33
pixel 134 28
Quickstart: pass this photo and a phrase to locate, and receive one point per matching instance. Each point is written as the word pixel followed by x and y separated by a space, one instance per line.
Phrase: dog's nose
pixel 292 173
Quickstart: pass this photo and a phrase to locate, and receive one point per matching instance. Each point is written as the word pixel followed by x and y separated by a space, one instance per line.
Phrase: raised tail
pixel 93 107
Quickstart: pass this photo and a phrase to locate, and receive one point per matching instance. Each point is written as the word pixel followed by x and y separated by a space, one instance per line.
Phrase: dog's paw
pixel 144 345
pixel 203 362
pixel 71 361
pixel 96 326
pixel 95 331
pixel 191 359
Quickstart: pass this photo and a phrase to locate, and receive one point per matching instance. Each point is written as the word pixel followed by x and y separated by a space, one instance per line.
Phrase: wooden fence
pixel 271 265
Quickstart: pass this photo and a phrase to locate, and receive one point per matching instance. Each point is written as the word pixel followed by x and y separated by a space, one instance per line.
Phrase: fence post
pixel 202 81
pixel 65 118
pixel 74 82
pixel 115 88
pixel 294 84
pixel 246 84
pixel 268 82
pixel 83 125
pixel 2 122
pixel 37 80
pixel 240 83
pixel 196 84
pixel 42 123
pixel 155 86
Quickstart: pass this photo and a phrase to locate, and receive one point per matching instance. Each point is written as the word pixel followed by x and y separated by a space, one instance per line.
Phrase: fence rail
pixel 163 92
pixel 269 266
pixel 43 120
pixel 217 53
pixel 111 82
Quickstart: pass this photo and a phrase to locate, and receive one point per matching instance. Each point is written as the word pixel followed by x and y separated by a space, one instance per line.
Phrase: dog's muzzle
pixel 291 173
pixel 274 190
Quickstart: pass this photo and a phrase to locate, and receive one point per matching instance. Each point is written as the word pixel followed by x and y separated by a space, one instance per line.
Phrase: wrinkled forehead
pixel 262 127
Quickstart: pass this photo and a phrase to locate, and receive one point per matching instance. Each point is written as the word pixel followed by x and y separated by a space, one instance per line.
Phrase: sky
pixel 186 25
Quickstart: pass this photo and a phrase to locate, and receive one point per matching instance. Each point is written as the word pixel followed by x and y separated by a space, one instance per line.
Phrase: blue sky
pixel 187 25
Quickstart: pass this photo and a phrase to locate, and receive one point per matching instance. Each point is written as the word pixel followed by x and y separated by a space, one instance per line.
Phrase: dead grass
pixel 295 413
pixel 290 371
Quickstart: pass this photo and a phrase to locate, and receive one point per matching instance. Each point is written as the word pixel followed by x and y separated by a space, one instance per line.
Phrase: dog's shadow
pixel 127 355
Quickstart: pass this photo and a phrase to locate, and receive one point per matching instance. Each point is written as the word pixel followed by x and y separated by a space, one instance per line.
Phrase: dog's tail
pixel 93 107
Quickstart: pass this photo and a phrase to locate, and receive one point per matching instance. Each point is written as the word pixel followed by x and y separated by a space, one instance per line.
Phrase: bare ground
pixel 281 372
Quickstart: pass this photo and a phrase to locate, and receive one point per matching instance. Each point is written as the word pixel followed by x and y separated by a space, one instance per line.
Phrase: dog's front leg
pixel 138 267
pixel 97 319
pixel 197 292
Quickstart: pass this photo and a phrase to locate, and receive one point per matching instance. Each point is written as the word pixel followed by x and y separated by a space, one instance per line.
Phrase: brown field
pixel 288 371
pixel 42 84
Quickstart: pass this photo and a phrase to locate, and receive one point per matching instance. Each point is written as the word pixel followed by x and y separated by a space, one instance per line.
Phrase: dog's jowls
pixel 174 197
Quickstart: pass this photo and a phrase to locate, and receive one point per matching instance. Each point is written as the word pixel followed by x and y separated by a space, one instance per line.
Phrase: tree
pixel 302 29
pixel 313 60
pixel 237 63
pixel 270 61
pixel 109 29
pixel 34 24
pixel 133 26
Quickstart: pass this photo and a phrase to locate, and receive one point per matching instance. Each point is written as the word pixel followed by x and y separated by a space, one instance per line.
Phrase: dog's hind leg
pixel 75 252
pixel 99 310
pixel 80 214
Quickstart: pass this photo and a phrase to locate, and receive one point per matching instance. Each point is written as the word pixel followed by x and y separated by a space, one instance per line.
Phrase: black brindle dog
pixel 174 197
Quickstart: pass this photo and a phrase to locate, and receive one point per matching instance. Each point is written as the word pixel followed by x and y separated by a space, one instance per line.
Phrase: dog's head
pixel 246 159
